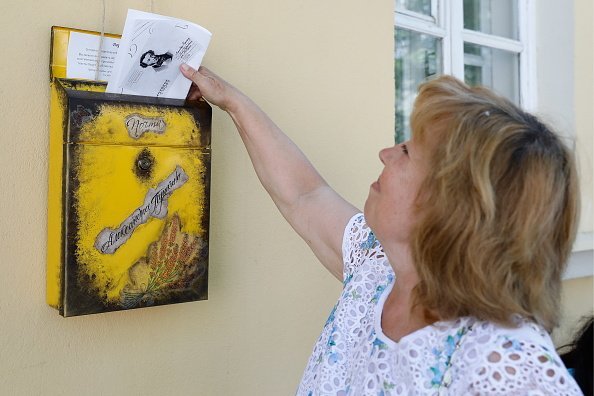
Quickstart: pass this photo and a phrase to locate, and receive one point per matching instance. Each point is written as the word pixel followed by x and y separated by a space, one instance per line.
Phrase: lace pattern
pixel 353 357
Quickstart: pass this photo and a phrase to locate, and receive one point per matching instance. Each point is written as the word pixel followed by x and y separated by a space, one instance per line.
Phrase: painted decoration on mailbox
pixel 139 235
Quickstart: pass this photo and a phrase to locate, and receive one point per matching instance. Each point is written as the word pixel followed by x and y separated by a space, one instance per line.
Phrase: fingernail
pixel 185 67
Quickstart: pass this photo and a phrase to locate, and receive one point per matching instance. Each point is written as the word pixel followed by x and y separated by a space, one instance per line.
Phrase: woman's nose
pixel 385 153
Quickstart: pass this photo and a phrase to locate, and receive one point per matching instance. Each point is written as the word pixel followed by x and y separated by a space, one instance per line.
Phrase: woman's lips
pixel 375 185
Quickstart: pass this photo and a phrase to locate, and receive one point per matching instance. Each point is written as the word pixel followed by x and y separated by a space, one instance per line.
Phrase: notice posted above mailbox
pixel 150 53
pixel 83 50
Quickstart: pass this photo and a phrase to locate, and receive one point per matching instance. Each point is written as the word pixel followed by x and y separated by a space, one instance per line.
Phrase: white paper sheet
pixel 82 56
pixel 151 50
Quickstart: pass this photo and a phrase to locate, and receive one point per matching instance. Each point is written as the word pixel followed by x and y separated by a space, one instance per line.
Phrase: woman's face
pixel 390 206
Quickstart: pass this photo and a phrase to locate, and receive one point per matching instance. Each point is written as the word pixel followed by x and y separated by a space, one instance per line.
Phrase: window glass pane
pixel 416 57
pixel 420 6
pixel 493 68
pixel 497 17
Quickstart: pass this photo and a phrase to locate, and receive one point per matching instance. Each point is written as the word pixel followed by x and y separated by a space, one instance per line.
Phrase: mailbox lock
pixel 144 163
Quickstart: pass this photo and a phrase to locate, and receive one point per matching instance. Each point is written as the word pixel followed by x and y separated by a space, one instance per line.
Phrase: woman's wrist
pixel 235 101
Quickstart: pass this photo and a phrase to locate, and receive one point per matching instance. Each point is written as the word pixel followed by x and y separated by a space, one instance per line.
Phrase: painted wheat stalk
pixel 170 265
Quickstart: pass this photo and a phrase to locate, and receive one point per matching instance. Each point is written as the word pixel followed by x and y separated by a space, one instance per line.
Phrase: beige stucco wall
pixel 323 71
pixel 577 303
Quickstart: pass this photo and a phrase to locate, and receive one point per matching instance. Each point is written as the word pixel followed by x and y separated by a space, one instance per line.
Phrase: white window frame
pixel 447 23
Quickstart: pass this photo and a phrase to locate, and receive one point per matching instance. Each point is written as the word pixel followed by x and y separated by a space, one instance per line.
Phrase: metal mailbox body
pixel 128 200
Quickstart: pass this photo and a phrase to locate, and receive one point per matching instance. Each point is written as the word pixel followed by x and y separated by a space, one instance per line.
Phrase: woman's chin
pixel 368 213
pixel 366 208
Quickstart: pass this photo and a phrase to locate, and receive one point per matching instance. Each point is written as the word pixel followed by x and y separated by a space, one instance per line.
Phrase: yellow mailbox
pixel 128 199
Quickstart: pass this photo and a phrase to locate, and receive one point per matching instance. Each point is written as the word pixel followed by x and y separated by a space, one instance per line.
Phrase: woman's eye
pixel 405 149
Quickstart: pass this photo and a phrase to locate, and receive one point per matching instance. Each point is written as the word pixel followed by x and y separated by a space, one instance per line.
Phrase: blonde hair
pixel 498 210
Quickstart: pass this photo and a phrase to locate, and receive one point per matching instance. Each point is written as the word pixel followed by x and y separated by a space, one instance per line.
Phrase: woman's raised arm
pixel 316 212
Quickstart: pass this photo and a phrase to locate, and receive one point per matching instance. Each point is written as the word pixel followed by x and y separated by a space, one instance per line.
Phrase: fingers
pixel 198 80
pixel 195 76
pixel 194 93
pixel 189 72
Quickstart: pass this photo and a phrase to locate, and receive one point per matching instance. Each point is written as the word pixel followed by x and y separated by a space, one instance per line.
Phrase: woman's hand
pixel 207 85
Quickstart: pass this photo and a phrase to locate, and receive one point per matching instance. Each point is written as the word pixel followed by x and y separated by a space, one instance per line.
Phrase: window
pixel 483 42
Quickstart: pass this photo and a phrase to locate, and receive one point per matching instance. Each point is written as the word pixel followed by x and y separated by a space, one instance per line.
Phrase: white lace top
pixel 461 357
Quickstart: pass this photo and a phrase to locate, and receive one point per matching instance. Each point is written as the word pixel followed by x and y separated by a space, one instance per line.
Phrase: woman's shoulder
pixel 520 328
pixel 523 342
pixel 500 358
pixel 361 249
pixel 356 231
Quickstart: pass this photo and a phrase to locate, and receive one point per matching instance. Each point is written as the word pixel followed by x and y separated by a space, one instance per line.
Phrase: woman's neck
pixel 400 315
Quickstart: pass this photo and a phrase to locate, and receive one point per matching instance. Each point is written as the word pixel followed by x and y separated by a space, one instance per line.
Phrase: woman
pixel 452 275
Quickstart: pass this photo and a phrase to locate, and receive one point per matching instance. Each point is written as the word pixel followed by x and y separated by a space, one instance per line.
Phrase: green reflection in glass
pixel 420 6
pixel 493 68
pixel 417 57
pixel 497 17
